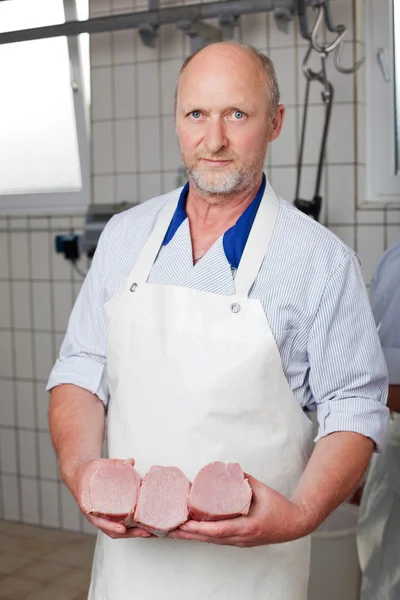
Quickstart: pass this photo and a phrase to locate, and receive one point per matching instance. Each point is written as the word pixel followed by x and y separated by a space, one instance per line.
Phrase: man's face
pixel 223 120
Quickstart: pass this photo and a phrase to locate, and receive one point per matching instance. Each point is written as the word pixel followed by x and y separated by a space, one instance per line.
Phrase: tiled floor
pixel 43 564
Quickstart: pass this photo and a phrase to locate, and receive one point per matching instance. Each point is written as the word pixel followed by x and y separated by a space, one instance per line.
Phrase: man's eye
pixel 238 114
pixel 196 114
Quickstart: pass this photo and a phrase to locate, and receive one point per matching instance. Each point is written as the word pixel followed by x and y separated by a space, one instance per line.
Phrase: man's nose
pixel 215 138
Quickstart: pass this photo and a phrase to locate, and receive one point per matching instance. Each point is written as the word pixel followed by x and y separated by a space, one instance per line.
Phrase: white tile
pixel 343 14
pixel 47 457
pixel 42 246
pixel 21 301
pixel 393 234
pixel 283 181
pixel 341 195
pixel 148 89
pixel 61 268
pixel 103 152
pixel 149 144
pixel 10 497
pixel 171 154
pixel 100 7
pixel 50 504
pixel 25 404
pixel 19 223
pixel 340 145
pixel 361 134
pixel 124 46
pixel 124 92
pixel 8 451
pixel 169 78
pixel 344 84
pixel 102 93
pixel 284 60
pixel 19 255
pixel 307 188
pixel 27 453
pixel 62 304
pixel 126 188
pixel 361 186
pixel 6 369
pixel 169 181
pixel 393 215
pixel 314 63
pixel 41 293
pixel 30 504
pixel 125 146
pixel 149 186
pixel 5 316
pixel 370 217
pixel 126 5
pixel 43 355
pixel 7 402
pixel 254 29
pixel 100 50
pixel 144 53
pixel 4 258
pixel 23 354
pixel 171 42
pixel 103 189
pixel 70 513
pixel 283 151
pixel 42 406
pixel 315 124
pixel 370 247
pixel 277 38
pixel 346 233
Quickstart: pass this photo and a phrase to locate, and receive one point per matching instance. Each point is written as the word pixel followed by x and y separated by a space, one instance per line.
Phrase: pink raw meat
pixel 113 492
pixel 163 499
pixel 219 491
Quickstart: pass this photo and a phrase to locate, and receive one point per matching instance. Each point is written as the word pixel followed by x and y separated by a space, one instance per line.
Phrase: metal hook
pixel 340 67
pixel 341 29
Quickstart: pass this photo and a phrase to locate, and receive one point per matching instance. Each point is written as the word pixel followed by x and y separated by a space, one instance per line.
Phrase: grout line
pixel 14 387
pixel 34 370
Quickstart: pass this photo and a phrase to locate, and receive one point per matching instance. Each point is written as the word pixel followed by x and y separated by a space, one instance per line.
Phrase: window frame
pixel 71 201
pixel 382 183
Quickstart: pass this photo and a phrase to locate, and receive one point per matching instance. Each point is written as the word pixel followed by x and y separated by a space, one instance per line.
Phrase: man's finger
pixel 177 534
pixel 217 529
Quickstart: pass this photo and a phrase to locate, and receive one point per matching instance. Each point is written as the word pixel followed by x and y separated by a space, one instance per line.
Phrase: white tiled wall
pixel 135 156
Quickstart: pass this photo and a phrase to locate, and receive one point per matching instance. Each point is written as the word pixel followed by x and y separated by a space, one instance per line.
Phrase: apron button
pixel 235 308
pixel 133 287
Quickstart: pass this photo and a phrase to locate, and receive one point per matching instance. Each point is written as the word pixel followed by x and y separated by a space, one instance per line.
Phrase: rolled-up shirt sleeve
pixel 348 376
pixel 82 357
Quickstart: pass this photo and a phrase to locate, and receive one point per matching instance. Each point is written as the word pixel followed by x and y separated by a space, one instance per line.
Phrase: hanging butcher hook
pixel 313 207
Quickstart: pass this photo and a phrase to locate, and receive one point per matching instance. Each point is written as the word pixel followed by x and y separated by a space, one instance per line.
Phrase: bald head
pixel 234 57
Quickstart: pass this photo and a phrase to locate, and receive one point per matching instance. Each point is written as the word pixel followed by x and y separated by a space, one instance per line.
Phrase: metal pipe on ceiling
pixel 152 18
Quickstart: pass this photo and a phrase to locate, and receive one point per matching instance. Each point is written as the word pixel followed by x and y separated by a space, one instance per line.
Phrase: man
pixel 210 319
pixel 379 524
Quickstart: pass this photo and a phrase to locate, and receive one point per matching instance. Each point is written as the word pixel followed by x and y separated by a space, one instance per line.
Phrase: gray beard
pixel 230 183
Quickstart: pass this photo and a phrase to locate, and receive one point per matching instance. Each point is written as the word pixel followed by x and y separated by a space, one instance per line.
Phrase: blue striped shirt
pixel 312 291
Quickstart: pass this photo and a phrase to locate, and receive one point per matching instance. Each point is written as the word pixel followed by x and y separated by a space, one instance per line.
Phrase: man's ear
pixel 277 122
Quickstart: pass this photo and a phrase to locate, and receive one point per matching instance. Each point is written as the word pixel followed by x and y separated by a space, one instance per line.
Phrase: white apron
pixel 196 377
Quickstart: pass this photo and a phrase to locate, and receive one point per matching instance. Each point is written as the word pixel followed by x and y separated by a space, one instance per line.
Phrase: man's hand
pixel 79 486
pixel 272 519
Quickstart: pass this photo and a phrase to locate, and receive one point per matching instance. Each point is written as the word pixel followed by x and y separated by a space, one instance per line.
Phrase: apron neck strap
pixel 253 254
pixel 153 244
pixel 257 243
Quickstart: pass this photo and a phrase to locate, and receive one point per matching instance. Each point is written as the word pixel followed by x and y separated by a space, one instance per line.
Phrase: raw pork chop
pixel 219 491
pixel 113 492
pixel 163 499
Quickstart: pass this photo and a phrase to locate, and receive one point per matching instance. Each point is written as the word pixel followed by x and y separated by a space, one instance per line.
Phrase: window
pixel 383 101
pixel 44 108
